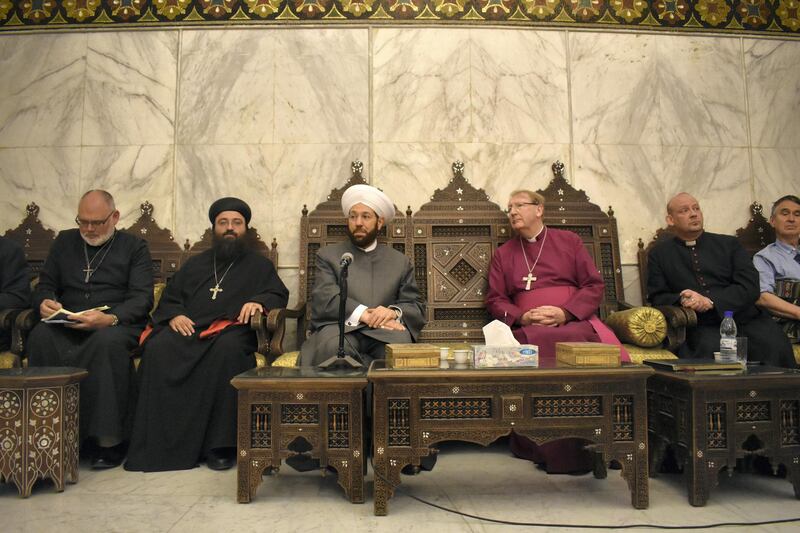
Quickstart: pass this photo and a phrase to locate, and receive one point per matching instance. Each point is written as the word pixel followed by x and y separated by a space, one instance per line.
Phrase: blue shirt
pixel 775 262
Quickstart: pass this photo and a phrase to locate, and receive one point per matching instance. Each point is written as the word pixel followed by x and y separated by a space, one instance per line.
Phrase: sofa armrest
pixel 270 330
pixel 23 324
pixel 678 320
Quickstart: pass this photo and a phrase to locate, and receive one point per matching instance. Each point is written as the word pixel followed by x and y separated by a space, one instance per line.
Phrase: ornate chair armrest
pixel 23 324
pixel 270 330
pixel 678 319
pixel 7 317
pixel 642 326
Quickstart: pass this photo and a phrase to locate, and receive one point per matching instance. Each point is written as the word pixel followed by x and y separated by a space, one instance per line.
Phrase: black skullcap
pixel 229 204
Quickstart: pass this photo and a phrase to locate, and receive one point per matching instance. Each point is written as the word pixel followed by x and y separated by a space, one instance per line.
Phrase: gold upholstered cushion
pixel 8 360
pixel 642 326
pixel 158 290
pixel 288 359
pixel 796 348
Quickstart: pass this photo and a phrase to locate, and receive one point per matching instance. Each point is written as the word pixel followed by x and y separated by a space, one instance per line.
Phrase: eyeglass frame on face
pixel 518 206
pixel 94 223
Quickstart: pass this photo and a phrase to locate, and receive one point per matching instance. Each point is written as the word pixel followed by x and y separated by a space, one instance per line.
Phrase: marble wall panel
pixel 227 84
pixel 773 88
pixel 637 181
pixel 130 88
pixel 518 86
pixel 421 85
pixel 321 86
pixel 410 172
pixel 133 174
pixel 631 285
pixel 48 176
pixel 657 89
pixel 304 175
pixel 41 81
pixel 206 173
pixel 776 171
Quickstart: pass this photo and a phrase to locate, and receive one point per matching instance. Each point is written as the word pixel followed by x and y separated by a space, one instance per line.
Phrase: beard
pixel 226 248
pixel 366 240
pixel 99 240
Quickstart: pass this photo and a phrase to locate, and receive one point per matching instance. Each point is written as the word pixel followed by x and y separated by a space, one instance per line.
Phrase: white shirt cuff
pixel 353 320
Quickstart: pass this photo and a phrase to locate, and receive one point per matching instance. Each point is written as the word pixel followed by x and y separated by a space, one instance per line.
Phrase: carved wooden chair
pixel 270 329
pixel 35 241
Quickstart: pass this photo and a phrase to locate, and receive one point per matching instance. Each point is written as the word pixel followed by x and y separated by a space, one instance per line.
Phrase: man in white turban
pixel 383 302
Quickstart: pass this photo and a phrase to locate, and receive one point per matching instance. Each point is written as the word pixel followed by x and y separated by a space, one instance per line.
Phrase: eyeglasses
pixel 518 206
pixel 92 223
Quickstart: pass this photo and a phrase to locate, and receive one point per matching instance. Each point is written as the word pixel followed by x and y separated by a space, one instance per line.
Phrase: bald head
pixel 684 216
pixel 97 217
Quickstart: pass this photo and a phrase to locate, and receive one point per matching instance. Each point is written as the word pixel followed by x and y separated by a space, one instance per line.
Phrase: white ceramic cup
pixel 460 356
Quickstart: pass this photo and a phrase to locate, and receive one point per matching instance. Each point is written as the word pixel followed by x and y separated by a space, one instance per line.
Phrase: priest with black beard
pixel 95 266
pixel 201 338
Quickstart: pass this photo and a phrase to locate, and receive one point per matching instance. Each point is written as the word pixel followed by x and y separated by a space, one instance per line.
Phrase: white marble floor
pixel 470 479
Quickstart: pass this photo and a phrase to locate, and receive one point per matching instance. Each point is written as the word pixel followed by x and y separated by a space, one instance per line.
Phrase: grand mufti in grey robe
pixel 382 276
pixel 122 278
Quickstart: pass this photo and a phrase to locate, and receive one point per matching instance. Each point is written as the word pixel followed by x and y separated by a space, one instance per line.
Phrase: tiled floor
pixel 470 479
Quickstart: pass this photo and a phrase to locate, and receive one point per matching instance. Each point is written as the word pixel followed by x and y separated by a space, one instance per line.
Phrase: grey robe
pixel 384 277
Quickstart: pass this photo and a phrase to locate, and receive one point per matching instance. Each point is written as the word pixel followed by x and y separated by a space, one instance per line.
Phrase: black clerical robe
pixel 187 405
pixel 15 282
pixel 382 276
pixel 121 278
pixel 718 267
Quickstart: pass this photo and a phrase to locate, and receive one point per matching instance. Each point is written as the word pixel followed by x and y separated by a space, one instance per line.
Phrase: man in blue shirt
pixel 780 261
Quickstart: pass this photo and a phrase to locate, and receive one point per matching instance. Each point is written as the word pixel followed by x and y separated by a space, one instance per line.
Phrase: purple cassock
pixel 563 275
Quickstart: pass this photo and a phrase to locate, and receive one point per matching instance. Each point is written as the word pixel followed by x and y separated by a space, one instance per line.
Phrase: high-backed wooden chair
pixel 757 233
pixel 165 253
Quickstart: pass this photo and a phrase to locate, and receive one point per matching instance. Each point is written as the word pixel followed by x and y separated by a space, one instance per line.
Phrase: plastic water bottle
pixel 727 339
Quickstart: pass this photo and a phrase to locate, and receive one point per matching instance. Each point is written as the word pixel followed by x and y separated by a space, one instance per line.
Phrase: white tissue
pixel 497 333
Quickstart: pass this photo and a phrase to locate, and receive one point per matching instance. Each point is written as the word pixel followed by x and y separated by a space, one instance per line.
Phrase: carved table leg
pixel 387 477
pixel 697 479
pixel 600 468
pixel 793 475
pixel 634 471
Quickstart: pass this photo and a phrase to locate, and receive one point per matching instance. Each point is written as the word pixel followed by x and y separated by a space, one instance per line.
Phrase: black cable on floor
pixel 397 488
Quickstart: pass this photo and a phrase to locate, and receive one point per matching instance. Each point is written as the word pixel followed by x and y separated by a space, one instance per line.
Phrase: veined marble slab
pixel 130 88
pixel 657 89
pixel 776 174
pixel 637 182
pixel 42 89
pixel 133 175
pixel 773 87
pixel 48 176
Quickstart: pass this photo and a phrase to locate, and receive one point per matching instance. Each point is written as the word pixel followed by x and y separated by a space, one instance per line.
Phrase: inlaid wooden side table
pixel 39 410
pixel 279 406
pixel 712 419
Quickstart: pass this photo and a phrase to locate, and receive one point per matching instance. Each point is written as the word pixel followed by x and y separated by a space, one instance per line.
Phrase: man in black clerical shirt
pixel 15 282
pixel 711 274
pixel 95 266
pixel 201 339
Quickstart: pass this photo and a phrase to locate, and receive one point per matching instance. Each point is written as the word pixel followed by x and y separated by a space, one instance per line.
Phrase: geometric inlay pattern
pixel 44 403
pixel 338 426
pixel 567 406
pixel 261 426
pixel 455 408
pixel 753 411
pixel 716 426
pixel 299 413
pixel 623 418
pixel 463 272
pixel 399 423
pixel 790 422
pixel 10 404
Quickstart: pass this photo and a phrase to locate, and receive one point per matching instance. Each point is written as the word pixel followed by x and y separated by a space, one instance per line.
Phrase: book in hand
pixel 692 365
pixel 62 315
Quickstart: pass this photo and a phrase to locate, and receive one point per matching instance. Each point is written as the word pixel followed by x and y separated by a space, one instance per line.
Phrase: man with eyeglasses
pixel 107 277
pixel 545 286
pixel 710 274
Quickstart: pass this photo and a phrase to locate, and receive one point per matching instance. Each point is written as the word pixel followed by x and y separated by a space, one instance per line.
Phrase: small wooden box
pixel 587 354
pixel 412 355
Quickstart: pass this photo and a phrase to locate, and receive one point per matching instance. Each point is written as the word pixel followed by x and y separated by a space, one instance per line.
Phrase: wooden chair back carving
pixel 34 239
pixel 325 225
pixel 453 238
pixel 570 209
pixel 165 253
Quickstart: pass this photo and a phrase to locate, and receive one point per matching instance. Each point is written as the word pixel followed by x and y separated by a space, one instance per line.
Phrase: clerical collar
pixel 370 247
pixel 691 243
pixel 536 237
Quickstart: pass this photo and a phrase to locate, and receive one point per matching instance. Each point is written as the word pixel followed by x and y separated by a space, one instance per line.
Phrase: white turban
pixel 370 197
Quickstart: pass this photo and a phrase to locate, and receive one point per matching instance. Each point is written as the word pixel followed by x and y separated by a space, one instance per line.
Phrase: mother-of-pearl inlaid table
pixel 39 410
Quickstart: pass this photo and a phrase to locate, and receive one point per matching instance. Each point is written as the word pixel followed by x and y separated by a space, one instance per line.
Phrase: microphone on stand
pixel 342 360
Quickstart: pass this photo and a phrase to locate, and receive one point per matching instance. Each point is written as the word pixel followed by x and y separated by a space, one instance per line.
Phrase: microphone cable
pixel 408 493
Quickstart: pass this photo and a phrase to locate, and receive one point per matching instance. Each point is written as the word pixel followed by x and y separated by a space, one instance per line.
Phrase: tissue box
pixel 505 356
pixel 587 354
pixel 412 355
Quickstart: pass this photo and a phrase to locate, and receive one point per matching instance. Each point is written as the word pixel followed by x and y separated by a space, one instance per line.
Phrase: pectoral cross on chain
pixel 214 290
pixel 89 271
pixel 528 279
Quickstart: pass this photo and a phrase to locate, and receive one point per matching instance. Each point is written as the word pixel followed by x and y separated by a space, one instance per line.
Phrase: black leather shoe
pixel 106 458
pixel 221 458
